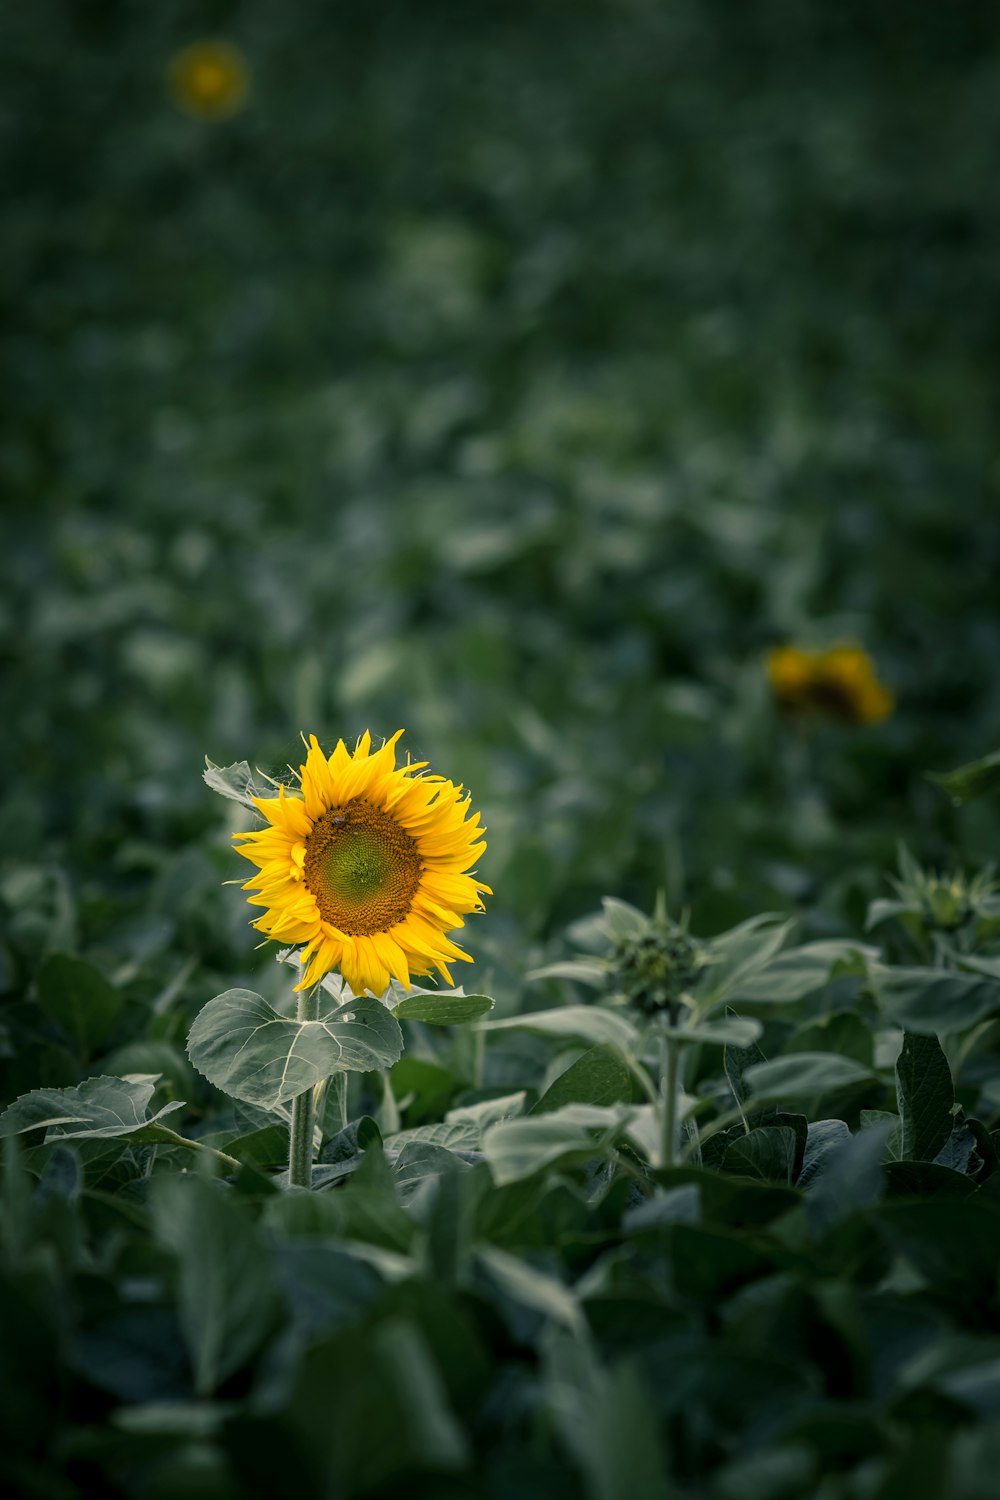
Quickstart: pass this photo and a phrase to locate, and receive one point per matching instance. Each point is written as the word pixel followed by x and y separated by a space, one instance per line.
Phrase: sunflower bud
pixel 655 970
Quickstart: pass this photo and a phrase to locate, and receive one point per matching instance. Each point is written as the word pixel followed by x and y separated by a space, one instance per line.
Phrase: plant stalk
pixel 182 1140
pixel 671 1055
pixel 300 1132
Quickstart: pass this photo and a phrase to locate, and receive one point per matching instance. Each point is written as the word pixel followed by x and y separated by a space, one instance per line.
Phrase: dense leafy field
pixel 524 382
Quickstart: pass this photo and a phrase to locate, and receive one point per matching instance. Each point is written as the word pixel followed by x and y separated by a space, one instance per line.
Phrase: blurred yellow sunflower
pixel 840 682
pixel 208 79
pixel 368 867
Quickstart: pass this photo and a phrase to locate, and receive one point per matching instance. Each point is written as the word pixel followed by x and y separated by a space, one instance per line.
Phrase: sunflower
pixel 367 866
pixel 840 682
pixel 209 79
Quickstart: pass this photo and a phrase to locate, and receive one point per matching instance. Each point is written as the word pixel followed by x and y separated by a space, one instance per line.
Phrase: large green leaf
pixel 790 975
pixel 518 1148
pixel 591 1023
pixel 248 1050
pixel 600 1076
pixel 737 954
pixel 767 1153
pixel 437 1009
pixel 227 1297
pixel 803 1074
pixel 81 1002
pixel 97 1109
pixel 936 1001
pixel 925 1096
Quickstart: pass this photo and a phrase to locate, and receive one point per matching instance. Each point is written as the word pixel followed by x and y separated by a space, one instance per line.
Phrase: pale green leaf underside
pixel 590 1022
pixel 246 1049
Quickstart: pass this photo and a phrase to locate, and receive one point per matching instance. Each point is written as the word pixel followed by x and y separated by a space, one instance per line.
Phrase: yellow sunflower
pixel 367 866
pixel 840 682
pixel 209 79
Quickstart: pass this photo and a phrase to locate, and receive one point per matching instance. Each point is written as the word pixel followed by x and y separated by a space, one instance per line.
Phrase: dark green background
pixel 517 375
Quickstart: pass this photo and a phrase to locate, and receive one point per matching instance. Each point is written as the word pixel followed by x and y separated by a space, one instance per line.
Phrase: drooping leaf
pixel 925 1097
pixel 248 1050
pixel 804 1075
pixel 97 1109
pixel 936 1001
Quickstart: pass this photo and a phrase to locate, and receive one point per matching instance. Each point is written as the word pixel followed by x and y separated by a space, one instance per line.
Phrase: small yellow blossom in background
pixel 208 79
pixel 840 682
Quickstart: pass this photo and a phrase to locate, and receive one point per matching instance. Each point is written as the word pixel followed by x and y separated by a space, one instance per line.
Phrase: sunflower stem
pixel 670 1053
pixel 300 1133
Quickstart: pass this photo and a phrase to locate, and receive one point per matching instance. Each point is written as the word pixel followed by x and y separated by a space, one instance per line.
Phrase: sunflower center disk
pixel 362 868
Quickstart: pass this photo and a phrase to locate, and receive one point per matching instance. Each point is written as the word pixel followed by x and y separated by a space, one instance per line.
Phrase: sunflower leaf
pixel 435 1009
pixel 592 1023
pixel 97 1109
pixel 246 1049
pixel 235 782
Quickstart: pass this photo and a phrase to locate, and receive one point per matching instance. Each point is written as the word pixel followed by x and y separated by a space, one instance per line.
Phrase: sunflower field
pixel 499 922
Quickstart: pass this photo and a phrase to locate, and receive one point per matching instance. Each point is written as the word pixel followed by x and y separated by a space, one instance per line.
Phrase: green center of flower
pixel 362 868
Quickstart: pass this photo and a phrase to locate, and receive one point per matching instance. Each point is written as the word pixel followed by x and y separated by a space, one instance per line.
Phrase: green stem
pixel 671 1054
pixel 300 1133
pixel 182 1140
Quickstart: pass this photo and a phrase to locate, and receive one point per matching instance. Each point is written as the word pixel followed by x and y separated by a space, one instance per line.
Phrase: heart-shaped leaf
pixel 251 1052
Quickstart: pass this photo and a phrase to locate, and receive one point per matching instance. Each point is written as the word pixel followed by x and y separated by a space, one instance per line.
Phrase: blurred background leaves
pixel 521 380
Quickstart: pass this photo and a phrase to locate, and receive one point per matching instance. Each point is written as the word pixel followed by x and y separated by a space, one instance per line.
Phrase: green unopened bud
pixel 655 970
pixel 946 904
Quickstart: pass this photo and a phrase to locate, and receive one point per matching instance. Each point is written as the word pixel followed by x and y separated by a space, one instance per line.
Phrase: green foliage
pixel 244 1047
pixel 437 1009
pixel 974 780
pixel 98 1109
pixel 520 378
